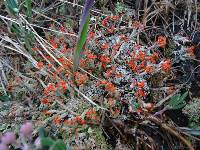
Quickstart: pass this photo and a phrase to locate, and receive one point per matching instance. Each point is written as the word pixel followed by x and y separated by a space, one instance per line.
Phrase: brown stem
pixel 171 130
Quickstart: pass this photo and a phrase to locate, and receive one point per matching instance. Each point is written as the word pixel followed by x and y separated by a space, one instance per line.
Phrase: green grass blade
pixel 12 6
pixel 28 4
pixel 81 41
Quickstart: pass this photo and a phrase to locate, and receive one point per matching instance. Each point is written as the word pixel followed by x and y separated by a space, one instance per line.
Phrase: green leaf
pixel 80 43
pixel 12 6
pixel 5 98
pixel 47 142
pixel 182 98
pixel 59 145
pixel 28 4
pixel 174 99
pixel 27 43
pixel 15 28
pixel 42 132
pixel 177 101
pixel 181 105
pixel 135 104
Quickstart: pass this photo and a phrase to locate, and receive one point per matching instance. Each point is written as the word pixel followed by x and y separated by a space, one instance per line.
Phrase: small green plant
pixel 25 140
pixel 177 101
pixel 28 4
pixel 12 6
pixel 119 8
pixel 5 98
pixel 48 143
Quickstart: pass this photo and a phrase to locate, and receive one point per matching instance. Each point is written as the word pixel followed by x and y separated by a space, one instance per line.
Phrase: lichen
pixel 192 110
pixel 99 138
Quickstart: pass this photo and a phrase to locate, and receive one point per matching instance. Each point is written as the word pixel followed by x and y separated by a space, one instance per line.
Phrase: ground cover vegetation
pixel 97 75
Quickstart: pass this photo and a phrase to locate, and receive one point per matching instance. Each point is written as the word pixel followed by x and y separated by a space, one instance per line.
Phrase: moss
pixel 97 135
